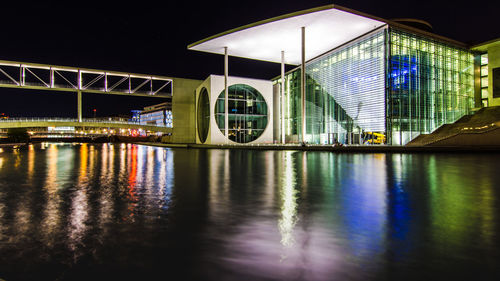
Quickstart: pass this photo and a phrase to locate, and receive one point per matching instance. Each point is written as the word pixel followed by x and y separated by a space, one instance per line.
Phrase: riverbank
pixel 341 149
pixel 11 144
pixel 337 149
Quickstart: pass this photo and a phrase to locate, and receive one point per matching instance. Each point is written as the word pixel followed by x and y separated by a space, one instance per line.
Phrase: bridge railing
pixel 87 120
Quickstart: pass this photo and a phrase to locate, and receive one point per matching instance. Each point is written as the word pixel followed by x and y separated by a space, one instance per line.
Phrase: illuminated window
pixel 484 93
pixel 484 79
pixel 484 82
pixel 496 82
pixel 484 59
pixel 484 70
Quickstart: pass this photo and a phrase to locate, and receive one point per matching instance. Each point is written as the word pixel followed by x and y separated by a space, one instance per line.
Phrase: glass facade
pixel 344 95
pixel 384 88
pixel 430 84
pixel 247 113
pixel 157 118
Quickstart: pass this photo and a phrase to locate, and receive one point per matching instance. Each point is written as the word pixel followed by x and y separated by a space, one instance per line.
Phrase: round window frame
pixel 254 91
pixel 203 120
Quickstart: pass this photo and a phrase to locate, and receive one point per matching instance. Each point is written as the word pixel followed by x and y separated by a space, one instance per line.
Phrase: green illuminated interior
pixel 430 84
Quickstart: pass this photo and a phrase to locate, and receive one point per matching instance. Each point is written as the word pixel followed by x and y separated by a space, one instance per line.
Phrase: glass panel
pixel 495 78
pixel 484 81
pixel 484 93
pixel 484 59
pixel 247 116
pixel 345 92
pixel 484 70
pixel 485 103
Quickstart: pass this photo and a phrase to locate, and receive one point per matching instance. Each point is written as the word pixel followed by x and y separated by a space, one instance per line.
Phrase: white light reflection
pixel 78 217
pixel 166 176
pixel 106 184
pixel 288 202
pixel 218 182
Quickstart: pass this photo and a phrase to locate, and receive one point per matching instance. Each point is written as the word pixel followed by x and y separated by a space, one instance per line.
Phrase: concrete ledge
pixel 342 149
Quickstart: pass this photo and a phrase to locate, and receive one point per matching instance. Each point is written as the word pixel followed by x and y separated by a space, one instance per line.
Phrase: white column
pixel 282 97
pixel 226 94
pixel 303 84
pixel 79 95
pixel 79 105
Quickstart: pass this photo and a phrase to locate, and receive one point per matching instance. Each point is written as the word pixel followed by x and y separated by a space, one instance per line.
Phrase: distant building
pixel 136 116
pixel 487 70
pixel 157 115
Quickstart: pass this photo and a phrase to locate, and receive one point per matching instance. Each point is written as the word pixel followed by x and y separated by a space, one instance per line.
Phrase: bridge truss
pixel 73 79
pixel 63 78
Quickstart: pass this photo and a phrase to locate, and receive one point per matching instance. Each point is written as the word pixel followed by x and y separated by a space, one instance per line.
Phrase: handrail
pixel 59 119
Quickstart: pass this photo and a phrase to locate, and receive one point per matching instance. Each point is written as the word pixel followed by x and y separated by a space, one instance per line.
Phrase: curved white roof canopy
pixel 326 28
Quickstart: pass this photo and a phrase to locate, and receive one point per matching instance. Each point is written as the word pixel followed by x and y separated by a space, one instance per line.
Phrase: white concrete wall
pixel 215 85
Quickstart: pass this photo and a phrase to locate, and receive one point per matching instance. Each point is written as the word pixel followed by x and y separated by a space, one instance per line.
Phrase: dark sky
pixel 150 37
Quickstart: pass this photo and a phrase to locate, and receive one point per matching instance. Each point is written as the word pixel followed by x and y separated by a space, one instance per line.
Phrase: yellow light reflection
pixel 461 208
pixel 84 151
pixel 31 162
pixel 51 213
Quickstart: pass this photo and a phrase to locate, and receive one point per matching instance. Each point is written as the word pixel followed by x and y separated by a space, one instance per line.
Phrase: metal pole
pixel 226 94
pixel 283 97
pixel 303 84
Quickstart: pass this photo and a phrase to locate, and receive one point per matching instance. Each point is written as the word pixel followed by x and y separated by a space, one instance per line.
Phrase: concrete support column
pixel 79 105
pixel 79 95
pixel 226 94
pixel 303 83
pixel 282 97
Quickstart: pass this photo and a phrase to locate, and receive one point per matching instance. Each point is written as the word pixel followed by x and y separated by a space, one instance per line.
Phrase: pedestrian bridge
pixel 68 122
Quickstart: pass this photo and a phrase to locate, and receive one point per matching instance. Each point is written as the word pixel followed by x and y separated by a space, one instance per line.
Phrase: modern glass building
pixel 366 80
pixel 157 115
pixel 386 87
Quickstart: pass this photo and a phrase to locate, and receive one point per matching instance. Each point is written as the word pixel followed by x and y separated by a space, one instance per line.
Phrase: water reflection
pixel 288 195
pixel 74 211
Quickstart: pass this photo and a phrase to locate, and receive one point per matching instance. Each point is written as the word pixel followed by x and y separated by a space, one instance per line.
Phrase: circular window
pixel 203 115
pixel 247 113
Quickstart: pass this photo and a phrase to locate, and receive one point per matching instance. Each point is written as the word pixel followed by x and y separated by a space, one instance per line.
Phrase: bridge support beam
pixel 79 105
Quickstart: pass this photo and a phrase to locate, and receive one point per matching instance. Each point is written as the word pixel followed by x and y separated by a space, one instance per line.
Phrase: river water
pixel 131 212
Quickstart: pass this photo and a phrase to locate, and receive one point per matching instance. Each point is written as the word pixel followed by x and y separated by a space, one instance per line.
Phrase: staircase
pixel 482 128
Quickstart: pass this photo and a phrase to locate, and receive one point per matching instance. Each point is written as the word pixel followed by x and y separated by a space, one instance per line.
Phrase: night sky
pixel 151 37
